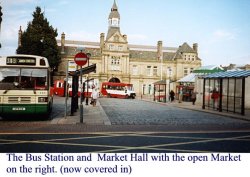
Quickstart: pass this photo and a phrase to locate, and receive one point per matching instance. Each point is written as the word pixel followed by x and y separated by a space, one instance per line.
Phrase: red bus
pixel 117 90
pixel 59 88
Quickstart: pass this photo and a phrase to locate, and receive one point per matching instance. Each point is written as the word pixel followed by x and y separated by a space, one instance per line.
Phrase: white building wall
pixel 199 89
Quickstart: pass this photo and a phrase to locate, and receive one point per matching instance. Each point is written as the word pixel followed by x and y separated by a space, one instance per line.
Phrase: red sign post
pixel 81 59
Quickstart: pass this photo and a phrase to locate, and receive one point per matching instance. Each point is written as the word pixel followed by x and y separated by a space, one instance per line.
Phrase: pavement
pixel 92 115
pixel 95 115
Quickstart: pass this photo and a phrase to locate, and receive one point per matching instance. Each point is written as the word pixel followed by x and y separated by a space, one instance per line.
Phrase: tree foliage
pixel 1 14
pixel 0 21
pixel 40 39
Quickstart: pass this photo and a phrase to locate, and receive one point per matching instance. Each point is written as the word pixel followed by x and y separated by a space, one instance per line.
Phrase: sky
pixel 220 27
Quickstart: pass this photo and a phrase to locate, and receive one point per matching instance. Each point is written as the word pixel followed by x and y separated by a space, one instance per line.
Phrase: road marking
pixel 124 148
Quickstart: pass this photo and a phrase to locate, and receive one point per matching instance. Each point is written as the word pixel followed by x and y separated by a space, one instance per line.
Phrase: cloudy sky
pixel 220 27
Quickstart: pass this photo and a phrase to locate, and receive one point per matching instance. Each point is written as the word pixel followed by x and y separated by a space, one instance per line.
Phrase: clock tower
pixel 115 51
pixel 114 16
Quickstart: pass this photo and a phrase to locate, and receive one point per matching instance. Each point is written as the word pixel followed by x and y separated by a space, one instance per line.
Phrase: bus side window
pixel 42 62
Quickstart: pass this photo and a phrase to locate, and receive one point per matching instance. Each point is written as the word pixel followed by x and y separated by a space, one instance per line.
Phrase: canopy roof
pixel 229 74
pixel 161 82
pixel 208 69
pixel 188 78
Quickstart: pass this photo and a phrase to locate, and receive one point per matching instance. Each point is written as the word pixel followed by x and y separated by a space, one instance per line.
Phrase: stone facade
pixel 119 61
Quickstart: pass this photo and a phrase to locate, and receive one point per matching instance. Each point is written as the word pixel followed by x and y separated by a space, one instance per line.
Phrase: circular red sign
pixel 81 59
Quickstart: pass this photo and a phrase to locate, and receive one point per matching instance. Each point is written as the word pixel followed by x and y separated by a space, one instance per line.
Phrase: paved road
pixel 127 142
pixel 137 126
pixel 137 112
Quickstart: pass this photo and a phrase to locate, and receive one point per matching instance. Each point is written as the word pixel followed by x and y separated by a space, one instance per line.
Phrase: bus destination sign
pixel 20 61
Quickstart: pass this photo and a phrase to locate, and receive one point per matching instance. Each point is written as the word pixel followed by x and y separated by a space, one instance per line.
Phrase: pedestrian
pixel 94 96
pixel 180 95
pixel 193 97
pixel 172 95
pixel 215 97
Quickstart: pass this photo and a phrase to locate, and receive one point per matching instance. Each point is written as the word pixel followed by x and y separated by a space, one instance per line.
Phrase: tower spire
pixel 114 16
pixel 114 21
pixel 114 7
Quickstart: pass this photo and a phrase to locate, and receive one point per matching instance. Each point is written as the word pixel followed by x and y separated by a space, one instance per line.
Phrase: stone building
pixel 119 61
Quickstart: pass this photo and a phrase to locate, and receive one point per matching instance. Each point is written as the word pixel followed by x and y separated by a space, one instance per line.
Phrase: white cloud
pixel 136 38
pixel 64 2
pixel 221 34
pixel 81 36
pixel 16 2
pixel 241 60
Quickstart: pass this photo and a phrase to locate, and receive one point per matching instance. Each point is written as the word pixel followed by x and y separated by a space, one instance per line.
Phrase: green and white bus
pixel 25 86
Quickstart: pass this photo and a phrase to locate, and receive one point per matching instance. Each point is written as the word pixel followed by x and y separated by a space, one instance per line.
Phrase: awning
pixel 161 82
pixel 188 78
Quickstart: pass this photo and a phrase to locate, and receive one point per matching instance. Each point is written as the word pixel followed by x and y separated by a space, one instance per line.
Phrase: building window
pixel 143 89
pixel 191 70
pixel 155 71
pixel 185 71
pixel 169 72
pixel 120 48
pixel 134 70
pixel 115 64
pixel 148 71
pixel 111 47
pixel 149 88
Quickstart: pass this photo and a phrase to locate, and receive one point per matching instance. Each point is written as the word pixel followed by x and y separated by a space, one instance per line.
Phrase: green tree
pixel 40 39
pixel 0 21
pixel 1 14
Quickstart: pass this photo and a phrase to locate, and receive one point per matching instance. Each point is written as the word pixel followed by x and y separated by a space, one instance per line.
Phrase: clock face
pixel 115 22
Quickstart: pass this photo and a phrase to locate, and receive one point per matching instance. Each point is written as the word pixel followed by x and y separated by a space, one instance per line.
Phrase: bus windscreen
pixel 23 78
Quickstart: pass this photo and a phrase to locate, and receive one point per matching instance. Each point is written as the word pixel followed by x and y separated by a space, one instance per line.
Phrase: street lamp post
pixel 161 59
pixel 87 98
pixel 169 78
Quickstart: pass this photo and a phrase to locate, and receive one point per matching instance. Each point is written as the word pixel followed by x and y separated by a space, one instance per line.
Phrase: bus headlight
pixel 42 99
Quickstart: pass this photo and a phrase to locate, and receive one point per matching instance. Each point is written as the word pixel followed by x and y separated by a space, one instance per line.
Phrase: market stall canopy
pixel 229 74
pixel 208 69
pixel 188 78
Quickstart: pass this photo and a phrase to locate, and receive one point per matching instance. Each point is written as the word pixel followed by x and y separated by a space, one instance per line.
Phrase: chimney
pixel 159 50
pixel 102 35
pixel 20 36
pixel 63 43
pixel 195 47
